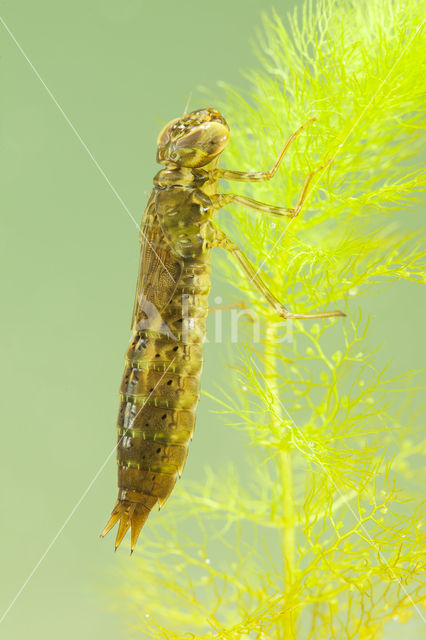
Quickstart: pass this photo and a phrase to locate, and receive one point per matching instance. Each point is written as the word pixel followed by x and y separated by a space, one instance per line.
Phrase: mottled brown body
pixel 160 389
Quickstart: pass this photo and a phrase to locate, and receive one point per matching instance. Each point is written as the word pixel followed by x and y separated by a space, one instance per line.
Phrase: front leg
pixel 223 242
pixel 259 176
pixel 222 199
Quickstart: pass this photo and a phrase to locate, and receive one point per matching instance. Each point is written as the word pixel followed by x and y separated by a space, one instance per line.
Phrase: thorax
pixel 188 178
pixel 184 208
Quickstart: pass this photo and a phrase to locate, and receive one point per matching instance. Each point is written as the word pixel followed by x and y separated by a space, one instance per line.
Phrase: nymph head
pixel 193 140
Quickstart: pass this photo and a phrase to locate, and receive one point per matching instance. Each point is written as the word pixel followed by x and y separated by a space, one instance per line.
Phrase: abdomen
pixel 158 397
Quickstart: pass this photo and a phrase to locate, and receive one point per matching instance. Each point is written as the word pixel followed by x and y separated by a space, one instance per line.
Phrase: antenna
pixel 187 103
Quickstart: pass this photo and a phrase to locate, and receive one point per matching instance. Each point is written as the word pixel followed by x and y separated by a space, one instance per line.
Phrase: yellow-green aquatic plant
pixel 318 542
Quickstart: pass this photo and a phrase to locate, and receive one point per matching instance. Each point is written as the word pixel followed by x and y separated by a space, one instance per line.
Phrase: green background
pixel 69 255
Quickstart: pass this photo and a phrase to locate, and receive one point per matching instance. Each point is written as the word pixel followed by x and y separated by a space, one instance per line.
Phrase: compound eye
pixel 209 137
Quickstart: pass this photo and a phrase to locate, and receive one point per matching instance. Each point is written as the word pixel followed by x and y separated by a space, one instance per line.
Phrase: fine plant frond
pixel 319 536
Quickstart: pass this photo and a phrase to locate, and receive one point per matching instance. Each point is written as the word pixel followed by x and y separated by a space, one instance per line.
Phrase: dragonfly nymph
pixel 160 389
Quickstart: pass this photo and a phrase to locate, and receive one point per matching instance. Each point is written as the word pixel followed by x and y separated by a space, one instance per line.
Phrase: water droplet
pixel 243 388
pixel 207 561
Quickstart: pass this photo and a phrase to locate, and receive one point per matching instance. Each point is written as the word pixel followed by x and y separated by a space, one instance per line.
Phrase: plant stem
pixel 286 628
